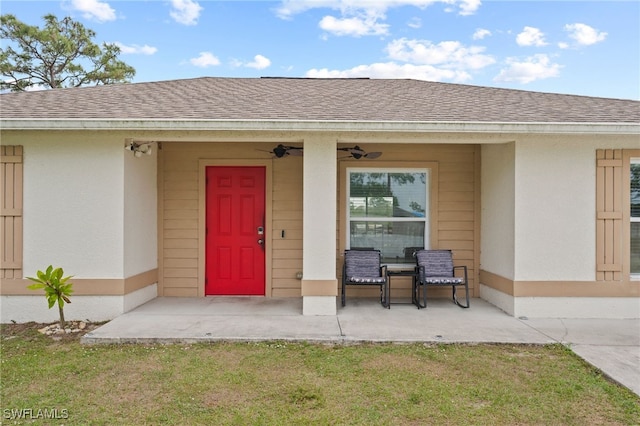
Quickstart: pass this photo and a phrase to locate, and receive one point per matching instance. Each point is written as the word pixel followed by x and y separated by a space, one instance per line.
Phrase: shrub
pixel 56 288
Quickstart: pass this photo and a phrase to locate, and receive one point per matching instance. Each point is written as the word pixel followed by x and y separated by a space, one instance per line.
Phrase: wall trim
pixel 625 288
pixel 496 282
pixel 319 288
pixel 86 286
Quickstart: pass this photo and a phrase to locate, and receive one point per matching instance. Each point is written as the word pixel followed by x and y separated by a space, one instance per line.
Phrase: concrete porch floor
pixel 613 346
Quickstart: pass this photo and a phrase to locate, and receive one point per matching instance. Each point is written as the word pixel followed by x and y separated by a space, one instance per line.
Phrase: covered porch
pixel 307 224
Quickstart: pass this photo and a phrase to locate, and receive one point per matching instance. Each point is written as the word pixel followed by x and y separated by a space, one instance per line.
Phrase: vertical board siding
pixel 609 215
pixel 457 209
pixel 11 173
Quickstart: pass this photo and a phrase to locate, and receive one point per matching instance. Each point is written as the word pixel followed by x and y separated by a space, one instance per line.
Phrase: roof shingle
pixel 293 99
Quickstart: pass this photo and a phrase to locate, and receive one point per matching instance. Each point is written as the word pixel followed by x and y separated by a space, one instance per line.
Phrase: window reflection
pixel 387 212
pixel 635 216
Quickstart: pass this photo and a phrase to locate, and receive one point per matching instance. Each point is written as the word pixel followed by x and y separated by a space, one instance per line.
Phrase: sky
pixel 587 48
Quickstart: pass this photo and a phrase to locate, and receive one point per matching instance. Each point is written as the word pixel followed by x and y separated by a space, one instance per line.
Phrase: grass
pixel 295 383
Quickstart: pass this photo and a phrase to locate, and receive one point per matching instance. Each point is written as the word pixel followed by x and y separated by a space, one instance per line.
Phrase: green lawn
pixel 295 383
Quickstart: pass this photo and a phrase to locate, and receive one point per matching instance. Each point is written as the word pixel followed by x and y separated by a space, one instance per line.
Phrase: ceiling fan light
pixel 280 151
pixel 357 153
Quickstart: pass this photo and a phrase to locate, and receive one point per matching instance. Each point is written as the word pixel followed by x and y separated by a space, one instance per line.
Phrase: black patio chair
pixel 435 268
pixel 410 253
pixel 363 268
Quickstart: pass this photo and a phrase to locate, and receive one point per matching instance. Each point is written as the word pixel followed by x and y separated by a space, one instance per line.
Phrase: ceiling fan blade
pixel 273 154
pixel 358 153
pixel 296 152
pixel 284 150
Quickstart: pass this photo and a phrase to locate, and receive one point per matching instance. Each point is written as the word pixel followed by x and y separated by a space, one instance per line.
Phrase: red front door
pixel 235 255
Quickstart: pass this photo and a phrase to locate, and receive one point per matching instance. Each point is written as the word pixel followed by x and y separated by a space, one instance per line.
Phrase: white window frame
pixel 635 276
pixel 427 208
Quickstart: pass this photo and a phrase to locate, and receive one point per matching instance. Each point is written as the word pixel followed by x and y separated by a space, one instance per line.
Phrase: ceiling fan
pixel 284 150
pixel 358 153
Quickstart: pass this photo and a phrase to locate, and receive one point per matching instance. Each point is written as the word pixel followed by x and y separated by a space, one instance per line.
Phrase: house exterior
pixel 174 189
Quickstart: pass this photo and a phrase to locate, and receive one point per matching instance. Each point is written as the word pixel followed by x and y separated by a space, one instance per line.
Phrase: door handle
pixel 261 242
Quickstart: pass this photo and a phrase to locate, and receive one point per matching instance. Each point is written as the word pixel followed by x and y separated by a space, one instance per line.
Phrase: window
pixel 388 210
pixel 635 215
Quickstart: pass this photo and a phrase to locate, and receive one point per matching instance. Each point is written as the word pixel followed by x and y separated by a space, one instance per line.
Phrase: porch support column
pixel 319 283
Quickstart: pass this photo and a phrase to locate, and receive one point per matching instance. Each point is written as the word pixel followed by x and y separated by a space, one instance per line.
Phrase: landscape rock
pixel 70 327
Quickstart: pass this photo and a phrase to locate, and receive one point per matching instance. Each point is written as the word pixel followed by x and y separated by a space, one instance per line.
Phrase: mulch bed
pixel 76 329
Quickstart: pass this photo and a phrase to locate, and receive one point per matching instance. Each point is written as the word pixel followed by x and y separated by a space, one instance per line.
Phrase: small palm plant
pixel 56 288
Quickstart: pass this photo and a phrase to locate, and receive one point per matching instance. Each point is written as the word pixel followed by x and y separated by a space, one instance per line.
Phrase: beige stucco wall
pixel 498 209
pixel 538 206
pixel 544 263
pixel 89 205
pixel 140 189
pixel 73 203
pixel 319 205
pixel 555 180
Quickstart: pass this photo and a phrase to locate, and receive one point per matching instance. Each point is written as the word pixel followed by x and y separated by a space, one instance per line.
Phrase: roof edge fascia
pixel 319 126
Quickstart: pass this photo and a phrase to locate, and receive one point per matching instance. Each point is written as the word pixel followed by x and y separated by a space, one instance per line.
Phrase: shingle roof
pixel 365 100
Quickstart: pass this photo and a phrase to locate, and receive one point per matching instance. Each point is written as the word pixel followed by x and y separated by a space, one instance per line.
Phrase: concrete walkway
pixel 613 346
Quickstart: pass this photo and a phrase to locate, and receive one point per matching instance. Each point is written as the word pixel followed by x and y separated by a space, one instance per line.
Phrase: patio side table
pixel 402 273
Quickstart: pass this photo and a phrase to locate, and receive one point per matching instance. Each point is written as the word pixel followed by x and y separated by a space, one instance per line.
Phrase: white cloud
pixel 32 88
pixel 94 9
pixel 259 62
pixel 36 88
pixel 353 26
pixel 362 17
pixel 393 70
pixel 185 12
pixel 288 8
pixel 530 36
pixel 584 34
pixel 415 23
pixel 469 7
pixel 481 33
pixel 206 59
pixel 448 54
pixel 136 49
pixel 534 68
